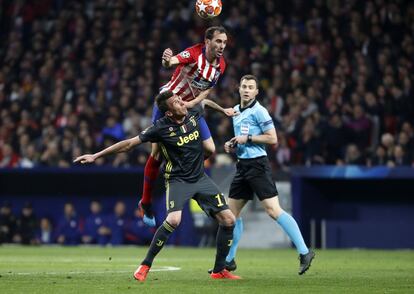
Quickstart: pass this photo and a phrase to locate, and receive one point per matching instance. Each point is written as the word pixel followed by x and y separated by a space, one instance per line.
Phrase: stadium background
pixel 336 76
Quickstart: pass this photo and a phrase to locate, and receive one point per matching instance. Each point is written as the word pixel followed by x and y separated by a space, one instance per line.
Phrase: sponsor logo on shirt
pixel 201 84
pixel 186 139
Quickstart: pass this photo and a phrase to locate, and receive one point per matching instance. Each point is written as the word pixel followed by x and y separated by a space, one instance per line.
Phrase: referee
pixel 253 129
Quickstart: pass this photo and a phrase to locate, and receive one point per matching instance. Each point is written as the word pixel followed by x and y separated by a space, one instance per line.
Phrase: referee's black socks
pixel 223 244
pixel 158 242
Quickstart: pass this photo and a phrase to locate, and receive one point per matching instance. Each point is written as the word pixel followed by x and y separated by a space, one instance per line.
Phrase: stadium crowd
pixel 71 229
pixel 336 76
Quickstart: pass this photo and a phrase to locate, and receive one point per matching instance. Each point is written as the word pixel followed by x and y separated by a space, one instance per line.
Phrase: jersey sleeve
pixel 150 134
pixel 189 55
pixel 264 120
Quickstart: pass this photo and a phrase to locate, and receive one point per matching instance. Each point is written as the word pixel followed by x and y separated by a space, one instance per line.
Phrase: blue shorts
pixel 205 131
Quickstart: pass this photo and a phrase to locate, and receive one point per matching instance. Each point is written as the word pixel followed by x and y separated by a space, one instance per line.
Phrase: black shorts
pixel 204 191
pixel 253 176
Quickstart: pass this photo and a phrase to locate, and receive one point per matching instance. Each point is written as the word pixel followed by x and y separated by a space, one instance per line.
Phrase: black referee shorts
pixel 204 191
pixel 253 176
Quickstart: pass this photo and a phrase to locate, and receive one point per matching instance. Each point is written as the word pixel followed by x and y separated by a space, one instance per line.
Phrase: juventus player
pixel 198 69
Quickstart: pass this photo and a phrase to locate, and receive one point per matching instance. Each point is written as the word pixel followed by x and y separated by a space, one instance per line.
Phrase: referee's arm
pixel 268 137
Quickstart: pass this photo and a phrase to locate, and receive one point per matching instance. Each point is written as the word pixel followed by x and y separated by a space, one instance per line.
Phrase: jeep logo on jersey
pixel 185 54
pixel 191 137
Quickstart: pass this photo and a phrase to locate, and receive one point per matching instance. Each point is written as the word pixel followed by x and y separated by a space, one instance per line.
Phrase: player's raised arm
pixel 122 146
pixel 227 111
pixel 168 59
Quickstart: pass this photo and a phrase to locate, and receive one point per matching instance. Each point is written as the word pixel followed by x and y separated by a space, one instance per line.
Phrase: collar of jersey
pixel 173 121
pixel 249 106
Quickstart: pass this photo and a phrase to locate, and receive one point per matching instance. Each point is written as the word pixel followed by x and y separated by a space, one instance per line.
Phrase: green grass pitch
pixel 184 270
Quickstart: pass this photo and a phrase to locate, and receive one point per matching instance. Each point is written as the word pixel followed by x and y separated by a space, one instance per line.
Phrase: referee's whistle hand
pixel 229 147
pixel 239 140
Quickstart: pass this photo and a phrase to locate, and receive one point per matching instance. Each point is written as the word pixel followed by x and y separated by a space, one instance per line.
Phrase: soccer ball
pixel 208 8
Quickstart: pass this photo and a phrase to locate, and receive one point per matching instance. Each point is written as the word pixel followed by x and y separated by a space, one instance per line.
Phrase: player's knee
pixel 174 221
pixel 273 211
pixel 227 219
pixel 155 151
pixel 155 154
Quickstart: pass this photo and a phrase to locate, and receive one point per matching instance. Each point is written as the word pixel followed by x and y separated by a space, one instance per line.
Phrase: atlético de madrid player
pixel 198 69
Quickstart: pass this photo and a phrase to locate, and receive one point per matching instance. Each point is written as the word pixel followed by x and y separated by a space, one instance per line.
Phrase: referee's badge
pixel 244 129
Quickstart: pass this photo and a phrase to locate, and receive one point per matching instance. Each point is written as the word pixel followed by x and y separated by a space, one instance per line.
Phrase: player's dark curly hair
pixel 211 30
pixel 161 100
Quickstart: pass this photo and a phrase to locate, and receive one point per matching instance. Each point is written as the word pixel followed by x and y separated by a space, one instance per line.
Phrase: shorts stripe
pixel 167 193
pixel 168 166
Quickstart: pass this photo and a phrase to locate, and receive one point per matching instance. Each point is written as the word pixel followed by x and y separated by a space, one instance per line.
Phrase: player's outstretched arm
pixel 168 59
pixel 227 111
pixel 122 146
pixel 203 95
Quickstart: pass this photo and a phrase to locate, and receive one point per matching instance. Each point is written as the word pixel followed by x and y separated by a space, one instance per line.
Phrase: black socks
pixel 223 243
pixel 158 241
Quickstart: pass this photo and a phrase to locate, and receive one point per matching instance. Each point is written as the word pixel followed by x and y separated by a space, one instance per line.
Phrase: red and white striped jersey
pixel 194 74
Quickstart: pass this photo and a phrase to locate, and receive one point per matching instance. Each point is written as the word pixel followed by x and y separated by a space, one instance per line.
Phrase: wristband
pixel 249 138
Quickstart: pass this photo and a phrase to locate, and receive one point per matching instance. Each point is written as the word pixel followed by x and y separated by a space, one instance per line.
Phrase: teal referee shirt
pixel 253 120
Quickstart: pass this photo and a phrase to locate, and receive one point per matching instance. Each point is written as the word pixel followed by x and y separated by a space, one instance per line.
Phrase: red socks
pixel 150 175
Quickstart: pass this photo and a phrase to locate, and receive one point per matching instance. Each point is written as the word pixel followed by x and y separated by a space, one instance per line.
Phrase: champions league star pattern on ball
pixel 208 8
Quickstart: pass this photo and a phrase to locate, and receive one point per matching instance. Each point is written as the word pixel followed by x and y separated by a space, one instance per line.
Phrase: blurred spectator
pixel 359 127
pixel 92 224
pixel 117 224
pixel 7 223
pixel 137 232
pixel 8 158
pixel 80 73
pixel 27 225
pixel 44 234
pixel 309 144
pixel 29 157
pixel 114 229
pixel 335 138
pixel 68 228
pixel 399 157
pixel 352 156
pixel 283 154
pixel 379 158
pixel 387 140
